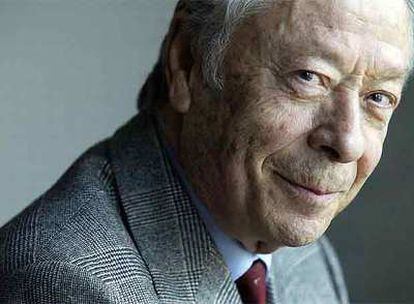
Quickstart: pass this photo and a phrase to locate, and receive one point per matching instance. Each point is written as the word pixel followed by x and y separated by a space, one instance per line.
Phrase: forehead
pixel 377 30
pixel 388 20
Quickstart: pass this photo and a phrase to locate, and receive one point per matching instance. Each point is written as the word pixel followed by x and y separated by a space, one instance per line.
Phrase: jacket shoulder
pixel 77 216
pixel 72 244
pixel 311 272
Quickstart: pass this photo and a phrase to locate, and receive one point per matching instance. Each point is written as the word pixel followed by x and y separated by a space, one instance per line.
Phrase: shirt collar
pixel 236 257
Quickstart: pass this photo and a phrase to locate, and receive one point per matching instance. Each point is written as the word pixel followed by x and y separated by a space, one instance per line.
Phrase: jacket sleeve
pixel 52 282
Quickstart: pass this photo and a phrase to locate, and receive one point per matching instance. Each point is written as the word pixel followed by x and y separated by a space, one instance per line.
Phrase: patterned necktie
pixel 252 285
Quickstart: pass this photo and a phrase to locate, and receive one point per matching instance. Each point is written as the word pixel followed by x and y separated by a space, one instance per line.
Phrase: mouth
pixel 310 195
pixel 315 190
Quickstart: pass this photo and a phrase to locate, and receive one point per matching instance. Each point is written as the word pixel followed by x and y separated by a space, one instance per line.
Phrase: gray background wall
pixel 69 75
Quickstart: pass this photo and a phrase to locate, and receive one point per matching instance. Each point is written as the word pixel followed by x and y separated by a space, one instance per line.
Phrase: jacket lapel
pixel 180 255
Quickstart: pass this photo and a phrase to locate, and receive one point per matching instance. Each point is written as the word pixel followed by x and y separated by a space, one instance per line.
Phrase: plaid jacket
pixel 118 228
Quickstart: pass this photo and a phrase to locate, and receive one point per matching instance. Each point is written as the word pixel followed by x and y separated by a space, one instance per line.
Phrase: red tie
pixel 252 285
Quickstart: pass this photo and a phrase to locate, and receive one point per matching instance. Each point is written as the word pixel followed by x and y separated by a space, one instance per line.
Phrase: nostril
pixel 330 152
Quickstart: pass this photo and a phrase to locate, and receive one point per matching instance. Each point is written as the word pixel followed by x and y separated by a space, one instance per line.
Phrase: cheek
pixel 373 152
pixel 365 166
pixel 277 125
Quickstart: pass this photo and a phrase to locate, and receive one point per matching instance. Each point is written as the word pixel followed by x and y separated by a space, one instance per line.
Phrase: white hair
pixel 210 25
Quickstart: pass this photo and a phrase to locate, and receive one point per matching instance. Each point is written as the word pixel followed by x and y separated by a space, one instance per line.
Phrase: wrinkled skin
pixel 309 90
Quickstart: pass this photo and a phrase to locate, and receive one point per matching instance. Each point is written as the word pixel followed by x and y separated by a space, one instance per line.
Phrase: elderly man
pixel 259 124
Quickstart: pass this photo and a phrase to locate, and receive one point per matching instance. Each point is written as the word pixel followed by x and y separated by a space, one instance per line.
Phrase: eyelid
pixel 323 79
pixel 317 64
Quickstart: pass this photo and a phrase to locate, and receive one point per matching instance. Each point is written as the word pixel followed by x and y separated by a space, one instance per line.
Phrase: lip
pixel 311 196
pixel 315 190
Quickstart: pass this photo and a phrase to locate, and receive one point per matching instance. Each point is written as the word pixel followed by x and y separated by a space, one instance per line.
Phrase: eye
pixel 307 84
pixel 382 99
pixel 309 77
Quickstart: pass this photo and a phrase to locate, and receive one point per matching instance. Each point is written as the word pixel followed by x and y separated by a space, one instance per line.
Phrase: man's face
pixel 309 89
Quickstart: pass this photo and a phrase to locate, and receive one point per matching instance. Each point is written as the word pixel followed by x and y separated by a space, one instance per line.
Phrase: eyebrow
pixel 387 72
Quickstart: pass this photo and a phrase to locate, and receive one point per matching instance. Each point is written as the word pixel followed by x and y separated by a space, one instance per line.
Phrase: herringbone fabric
pixel 118 228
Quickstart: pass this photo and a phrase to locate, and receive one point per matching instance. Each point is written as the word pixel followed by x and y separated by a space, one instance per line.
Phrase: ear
pixel 179 63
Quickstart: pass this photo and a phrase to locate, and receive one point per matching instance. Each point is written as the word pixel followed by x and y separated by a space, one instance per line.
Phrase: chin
pixel 296 223
pixel 293 230
pixel 300 232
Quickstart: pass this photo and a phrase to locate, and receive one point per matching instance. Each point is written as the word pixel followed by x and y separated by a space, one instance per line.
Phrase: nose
pixel 339 135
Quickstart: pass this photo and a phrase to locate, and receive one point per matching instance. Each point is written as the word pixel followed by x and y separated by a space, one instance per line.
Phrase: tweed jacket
pixel 118 227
